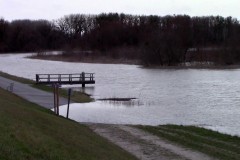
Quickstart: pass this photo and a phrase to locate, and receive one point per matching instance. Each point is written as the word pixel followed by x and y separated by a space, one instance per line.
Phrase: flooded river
pixel 202 97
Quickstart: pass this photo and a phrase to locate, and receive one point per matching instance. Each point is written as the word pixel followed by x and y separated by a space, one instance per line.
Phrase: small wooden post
pixel 49 78
pixel 59 78
pixel 91 77
pixel 83 79
pixel 56 98
pixel 54 94
pixel 37 78
pixel 57 88
pixel 69 96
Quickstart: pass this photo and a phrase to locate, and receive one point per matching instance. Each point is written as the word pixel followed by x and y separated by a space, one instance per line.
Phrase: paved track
pixel 42 98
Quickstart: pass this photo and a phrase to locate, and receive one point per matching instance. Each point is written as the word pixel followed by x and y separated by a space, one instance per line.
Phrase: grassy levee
pixel 28 131
pixel 212 143
pixel 15 78
pixel 76 96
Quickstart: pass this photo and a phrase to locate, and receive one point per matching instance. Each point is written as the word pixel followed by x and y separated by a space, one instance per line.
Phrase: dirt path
pixel 145 145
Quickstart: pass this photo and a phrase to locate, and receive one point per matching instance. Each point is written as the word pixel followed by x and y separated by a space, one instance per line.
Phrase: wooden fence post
pixel 83 79
pixel 54 94
pixel 69 97
pixel 37 78
pixel 57 87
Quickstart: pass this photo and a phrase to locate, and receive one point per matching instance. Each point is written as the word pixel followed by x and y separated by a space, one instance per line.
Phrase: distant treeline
pixel 154 40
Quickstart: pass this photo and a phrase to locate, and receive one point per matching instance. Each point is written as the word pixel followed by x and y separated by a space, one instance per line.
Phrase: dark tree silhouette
pixel 154 40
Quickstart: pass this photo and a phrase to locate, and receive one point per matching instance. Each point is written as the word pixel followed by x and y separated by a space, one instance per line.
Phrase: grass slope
pixel 215 144
pixel 28 131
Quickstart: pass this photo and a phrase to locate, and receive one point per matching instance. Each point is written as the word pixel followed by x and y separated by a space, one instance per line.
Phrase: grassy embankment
pixel 215 144
pixel 31 132
pixel 76 96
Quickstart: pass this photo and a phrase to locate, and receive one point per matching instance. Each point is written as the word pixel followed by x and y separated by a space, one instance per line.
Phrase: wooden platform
pixel 81 78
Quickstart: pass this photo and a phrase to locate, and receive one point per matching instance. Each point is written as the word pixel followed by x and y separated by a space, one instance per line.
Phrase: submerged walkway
pixel 42 98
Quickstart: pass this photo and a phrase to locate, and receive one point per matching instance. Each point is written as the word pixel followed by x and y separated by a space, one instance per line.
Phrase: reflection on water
pixel 130 103
pixel 88 89
pixel 208 98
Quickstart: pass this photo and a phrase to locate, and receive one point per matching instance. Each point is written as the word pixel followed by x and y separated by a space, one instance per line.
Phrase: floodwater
pixel 201 97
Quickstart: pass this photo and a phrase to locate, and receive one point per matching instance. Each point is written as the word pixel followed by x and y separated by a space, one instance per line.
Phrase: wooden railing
pixel 81 78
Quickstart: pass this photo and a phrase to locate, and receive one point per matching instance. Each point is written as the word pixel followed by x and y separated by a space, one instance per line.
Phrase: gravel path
pixel 144 145
pixel 139 143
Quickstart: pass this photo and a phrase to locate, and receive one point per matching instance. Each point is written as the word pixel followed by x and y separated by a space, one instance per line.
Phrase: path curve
pixel 144 145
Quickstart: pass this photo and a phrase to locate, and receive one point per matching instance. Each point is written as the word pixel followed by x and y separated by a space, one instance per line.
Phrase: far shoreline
pixel 107 60
pixel 95 60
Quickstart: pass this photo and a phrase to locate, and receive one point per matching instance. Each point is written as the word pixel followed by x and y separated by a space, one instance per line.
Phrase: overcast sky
pixel 53 9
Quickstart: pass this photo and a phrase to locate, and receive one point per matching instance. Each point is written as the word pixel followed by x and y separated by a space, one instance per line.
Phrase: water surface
pixel 207 98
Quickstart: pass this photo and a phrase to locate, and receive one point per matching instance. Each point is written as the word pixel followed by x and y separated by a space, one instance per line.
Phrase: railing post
pixel 59 78
pixel 83 79
pixel 37 78
pixel 70 78
pixel 91 77
pixel 48 77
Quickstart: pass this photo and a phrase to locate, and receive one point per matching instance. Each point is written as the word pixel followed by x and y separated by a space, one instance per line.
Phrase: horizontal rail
pixel 81 78
pixel 66 74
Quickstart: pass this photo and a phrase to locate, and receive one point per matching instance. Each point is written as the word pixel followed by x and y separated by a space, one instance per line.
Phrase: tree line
pixel 155 40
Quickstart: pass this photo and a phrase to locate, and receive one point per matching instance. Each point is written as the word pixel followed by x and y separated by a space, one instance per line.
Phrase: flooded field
pixel 202 97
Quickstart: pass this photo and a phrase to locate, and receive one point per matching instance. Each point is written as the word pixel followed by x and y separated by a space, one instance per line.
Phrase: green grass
pixel 79 97
pixel 15 78
pixel 76 96
pixel 213 143
pixel 28 131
